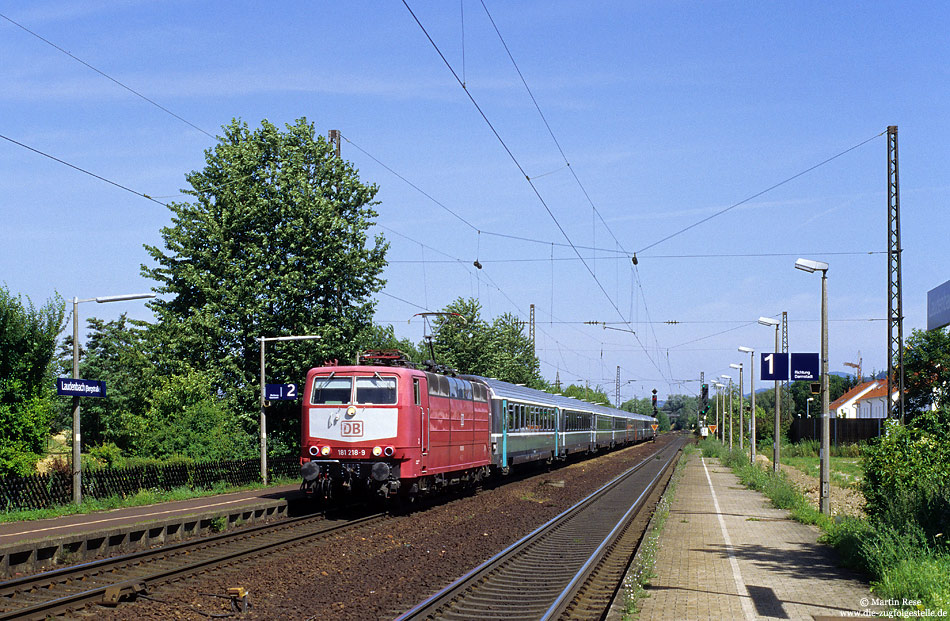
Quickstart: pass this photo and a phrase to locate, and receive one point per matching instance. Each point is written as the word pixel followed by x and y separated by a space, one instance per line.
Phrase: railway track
pixel 109 580
pixel 569 567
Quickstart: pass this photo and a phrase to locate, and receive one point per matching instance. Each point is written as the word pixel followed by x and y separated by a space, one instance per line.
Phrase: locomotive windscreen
pixel 381 390
pixel 331 390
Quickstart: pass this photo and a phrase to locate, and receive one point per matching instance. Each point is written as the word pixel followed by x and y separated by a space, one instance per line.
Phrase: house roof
pixel 854 394
pixel 878 393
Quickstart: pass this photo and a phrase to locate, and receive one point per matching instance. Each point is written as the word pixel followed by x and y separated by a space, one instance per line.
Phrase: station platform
pixel 30 546
pixel 726 553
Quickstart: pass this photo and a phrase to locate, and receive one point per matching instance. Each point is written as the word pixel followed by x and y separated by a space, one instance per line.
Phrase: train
pixel 388 428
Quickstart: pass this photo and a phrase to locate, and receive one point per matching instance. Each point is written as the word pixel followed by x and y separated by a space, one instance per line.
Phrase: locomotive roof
pixel 506 390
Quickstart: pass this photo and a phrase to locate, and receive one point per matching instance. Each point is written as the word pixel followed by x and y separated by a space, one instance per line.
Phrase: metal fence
pixel 40 491
pixel 842 430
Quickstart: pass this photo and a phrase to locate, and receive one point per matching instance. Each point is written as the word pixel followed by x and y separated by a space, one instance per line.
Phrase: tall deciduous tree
pixel 274 243
pixel 927 369
pixel 27 345
pixel 466 342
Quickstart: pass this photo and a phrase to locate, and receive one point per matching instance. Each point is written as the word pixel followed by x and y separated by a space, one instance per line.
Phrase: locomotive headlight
pixel 389 451
pixel 377 451
pixel 351 411
pixel 325 451
pixel 314 450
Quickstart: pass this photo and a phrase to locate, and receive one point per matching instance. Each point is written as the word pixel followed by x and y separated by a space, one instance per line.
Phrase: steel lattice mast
pixel 895 314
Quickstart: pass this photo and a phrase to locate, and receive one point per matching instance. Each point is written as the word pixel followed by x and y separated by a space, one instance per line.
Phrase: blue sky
pixel 668 113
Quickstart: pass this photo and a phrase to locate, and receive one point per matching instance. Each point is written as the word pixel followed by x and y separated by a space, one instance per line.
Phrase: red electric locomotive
pixel 387 429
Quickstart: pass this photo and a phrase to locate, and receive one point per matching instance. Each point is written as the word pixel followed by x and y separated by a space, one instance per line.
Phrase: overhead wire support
pixel 517 163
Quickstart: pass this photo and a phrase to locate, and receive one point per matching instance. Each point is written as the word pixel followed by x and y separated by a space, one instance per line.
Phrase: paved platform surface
pixel 726 553
pixel 18 532
pixel 31 546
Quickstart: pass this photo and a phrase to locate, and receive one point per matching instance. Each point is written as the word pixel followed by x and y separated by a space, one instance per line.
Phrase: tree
pixel 587 393
pixel 461 339
pixel 512 354
pixel 927 369
pixel 275 243
pixel 464 341
pixel 116 352
pixel 27 345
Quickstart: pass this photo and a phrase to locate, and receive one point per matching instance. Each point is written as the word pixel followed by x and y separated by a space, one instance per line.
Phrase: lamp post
pixel 264 341
pixel 810 266
pixel 807 402
pixel 728 377
pixel 741 412
pixel 776 434
pixel 77 448
pixel 751 353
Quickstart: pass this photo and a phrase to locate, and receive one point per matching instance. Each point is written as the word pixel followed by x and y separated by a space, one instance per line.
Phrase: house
pixel 872 404
pixel 846 406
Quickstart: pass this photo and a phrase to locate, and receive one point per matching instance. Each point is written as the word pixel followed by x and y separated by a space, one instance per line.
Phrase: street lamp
pixel 264 341
pixel 810 266
pixel 807 402
pixel 751 353
pixel 776 450
pixel 741 412
pixel 728 377
pixel 77 449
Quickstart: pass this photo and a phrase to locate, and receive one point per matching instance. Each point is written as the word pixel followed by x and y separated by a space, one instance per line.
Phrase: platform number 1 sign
pixel 774 367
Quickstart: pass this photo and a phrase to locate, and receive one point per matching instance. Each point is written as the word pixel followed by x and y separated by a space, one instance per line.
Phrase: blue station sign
pixel 774 367
pixel 938 307
pixel 280 392
pixel 69 387
pixel 806 367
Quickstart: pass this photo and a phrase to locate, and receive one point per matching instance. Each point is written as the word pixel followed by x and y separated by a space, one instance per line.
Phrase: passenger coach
pixel 390 429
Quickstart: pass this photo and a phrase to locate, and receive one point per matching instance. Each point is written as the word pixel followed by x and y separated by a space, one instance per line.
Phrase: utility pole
pixel 333 136
pixel 895 314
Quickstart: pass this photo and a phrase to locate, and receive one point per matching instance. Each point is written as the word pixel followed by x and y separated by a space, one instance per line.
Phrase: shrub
pixel 907 478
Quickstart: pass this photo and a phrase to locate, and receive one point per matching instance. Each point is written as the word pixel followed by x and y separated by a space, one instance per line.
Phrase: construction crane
pixel 857 366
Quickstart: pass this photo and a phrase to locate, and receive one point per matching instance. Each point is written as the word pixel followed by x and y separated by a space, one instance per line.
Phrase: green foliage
pixel 27 344
pixel 186 418
pixel 927 369
pixel 274 243
pixel 906 477
pixel 464 341
pixel 118 353
pixel 663 420
pixel 384 337
pixel 586 393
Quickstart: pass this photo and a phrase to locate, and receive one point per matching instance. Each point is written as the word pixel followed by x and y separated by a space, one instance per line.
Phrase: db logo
pixel 352 429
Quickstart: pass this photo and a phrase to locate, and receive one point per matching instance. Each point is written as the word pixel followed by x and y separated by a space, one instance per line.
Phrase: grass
pixel 902 564
pixel 845 471
pixel 641 570
pixel 142 497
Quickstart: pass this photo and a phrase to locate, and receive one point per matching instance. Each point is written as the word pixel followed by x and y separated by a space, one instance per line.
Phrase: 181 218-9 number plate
pixel 353 452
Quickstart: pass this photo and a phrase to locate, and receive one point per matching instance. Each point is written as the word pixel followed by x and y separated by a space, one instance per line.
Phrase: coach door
pixel 420 395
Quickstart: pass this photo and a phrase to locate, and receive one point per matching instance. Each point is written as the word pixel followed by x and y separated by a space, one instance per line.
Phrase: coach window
pixel 331 390
pixel 376 390
pixel 416 391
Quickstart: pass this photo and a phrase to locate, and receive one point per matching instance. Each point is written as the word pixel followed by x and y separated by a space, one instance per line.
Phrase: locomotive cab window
pixel 376 390
pixel 331 390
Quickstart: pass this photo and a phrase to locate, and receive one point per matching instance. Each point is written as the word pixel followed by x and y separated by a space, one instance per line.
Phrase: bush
pixel 907 478
pixel 186 419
